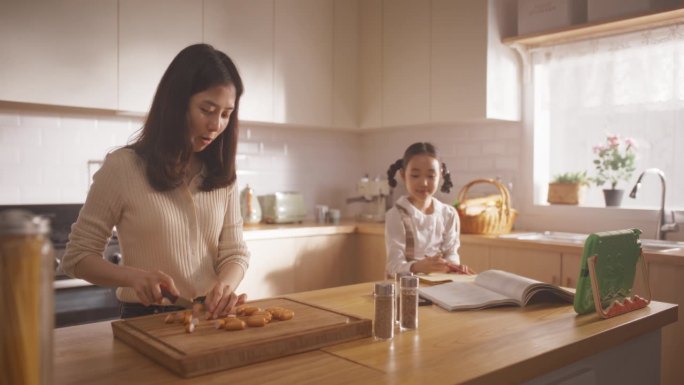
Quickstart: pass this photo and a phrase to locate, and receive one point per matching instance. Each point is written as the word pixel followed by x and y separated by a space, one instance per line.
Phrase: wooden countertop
pixel 507 344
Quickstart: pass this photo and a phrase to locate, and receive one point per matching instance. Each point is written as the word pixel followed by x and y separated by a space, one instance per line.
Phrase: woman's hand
pixel 430 264
pixel 221 300
pixel 147 286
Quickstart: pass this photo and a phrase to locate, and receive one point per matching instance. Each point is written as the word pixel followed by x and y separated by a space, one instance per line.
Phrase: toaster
pixel 282 207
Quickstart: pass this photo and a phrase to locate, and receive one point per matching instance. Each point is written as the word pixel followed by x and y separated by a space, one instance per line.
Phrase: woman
pixel 172 196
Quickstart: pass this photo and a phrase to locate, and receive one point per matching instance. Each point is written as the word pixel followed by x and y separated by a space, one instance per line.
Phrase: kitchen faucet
pixel 663 227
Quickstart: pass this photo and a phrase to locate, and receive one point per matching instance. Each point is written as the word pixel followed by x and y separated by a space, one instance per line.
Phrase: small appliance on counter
pixel 373 196
pixel 282 207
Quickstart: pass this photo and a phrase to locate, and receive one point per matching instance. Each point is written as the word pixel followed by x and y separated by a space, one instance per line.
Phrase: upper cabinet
pixel 59 52
pixel 318 63
pixel 151 33
pixel 438 61
pixel 303 62
pixel 244 31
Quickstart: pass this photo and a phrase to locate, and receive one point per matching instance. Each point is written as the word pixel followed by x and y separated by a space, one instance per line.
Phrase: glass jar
pixel 26 299
pixel 408 308
pixel 383 324
pixel 397 284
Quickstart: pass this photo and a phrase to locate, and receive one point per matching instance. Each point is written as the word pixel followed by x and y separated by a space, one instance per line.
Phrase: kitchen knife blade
pixel 177 300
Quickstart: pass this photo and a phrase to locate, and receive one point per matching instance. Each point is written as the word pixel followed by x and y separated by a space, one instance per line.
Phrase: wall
pixel 44 156
pixel 470 151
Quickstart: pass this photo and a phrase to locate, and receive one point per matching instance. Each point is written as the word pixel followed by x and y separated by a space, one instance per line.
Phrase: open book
pixel 490 288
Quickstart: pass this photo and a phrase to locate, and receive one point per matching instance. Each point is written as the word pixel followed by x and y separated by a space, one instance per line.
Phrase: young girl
pixel 421 233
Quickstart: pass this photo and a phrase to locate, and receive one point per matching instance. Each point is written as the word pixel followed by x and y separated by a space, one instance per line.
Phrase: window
pixel 631 85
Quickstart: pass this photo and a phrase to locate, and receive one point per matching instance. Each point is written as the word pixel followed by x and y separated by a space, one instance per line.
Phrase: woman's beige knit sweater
pixel 186 233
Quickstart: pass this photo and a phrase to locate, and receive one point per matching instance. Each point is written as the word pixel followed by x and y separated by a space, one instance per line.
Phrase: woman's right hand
pixel 147 286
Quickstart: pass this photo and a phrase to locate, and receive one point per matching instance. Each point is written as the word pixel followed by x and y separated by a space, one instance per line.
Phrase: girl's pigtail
pixel 392 171
pixel 447 185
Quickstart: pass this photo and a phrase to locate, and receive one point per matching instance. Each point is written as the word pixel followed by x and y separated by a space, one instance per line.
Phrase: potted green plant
pixel 568 188
pixel 615 162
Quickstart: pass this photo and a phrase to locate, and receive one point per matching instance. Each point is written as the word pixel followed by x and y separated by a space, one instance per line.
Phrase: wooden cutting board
pixel 208 349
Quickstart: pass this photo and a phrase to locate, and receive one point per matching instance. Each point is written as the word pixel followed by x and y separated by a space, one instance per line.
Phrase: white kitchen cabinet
pixel 244 30
pixel 406 62
pixel 286 265
pixel 59 52
pixel 370 63
pixel 544 266
pixel 438 61
pixel 303 62
pixel 570 265
pixel 151 33
pixel 345 44
pixel 474 76
pixel 369 260
pixel 474 256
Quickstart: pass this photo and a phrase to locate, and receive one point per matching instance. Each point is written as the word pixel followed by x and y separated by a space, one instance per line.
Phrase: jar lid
pixel 384 288
pixel 15 221
pixel 409 281
pixel 400 274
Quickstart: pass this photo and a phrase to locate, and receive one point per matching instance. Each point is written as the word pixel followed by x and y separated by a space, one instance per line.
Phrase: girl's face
pixel 208 114
pixel 421 176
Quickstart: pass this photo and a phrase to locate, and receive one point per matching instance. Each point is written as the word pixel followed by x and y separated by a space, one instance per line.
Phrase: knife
pixel 177 300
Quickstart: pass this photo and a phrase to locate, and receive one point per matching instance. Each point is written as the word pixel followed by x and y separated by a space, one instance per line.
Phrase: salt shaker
pixel 397 284
pixel 383 325
pixel 408 308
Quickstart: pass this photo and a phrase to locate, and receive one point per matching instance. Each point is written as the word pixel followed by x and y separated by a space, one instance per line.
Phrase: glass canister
pixel 383 324
pixel 26 299
pixel 397 284
pixel 408 308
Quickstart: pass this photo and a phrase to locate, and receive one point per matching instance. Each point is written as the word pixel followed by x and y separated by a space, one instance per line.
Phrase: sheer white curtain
pixel 631 85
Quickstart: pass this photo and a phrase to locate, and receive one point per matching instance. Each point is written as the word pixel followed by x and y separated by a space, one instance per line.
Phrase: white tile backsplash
pixel 44 156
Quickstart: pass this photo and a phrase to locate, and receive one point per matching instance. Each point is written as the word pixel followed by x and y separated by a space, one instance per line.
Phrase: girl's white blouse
pixel 436 233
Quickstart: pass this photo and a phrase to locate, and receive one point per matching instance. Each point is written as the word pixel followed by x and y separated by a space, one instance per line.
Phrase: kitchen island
pixel 538 344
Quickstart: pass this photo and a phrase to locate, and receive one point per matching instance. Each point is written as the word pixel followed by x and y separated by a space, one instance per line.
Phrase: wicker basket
pixel 495 218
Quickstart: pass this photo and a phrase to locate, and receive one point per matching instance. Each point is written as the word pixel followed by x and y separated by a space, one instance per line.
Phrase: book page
pixel 463 295
pixel 507 284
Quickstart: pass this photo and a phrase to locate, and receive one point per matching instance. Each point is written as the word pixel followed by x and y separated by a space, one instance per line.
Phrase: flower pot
pixel 566 193
pixel 613 197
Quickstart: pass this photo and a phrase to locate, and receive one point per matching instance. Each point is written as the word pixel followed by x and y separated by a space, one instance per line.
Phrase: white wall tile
pixel 44 157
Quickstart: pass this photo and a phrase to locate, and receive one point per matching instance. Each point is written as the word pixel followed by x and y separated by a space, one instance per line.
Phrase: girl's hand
pixel 460 269
pixel 431 264
pixel 221 300
pixel 147 286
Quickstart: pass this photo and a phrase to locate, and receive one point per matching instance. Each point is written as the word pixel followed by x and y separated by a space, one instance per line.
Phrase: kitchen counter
pixel 309 228
pixel 493 346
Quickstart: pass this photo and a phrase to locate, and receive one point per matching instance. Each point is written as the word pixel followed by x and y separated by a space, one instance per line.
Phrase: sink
pixel 657 245
pixel 578 239
pixel 553 236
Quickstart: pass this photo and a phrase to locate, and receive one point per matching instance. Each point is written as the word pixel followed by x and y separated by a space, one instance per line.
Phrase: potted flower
pixel 614 162
pixel 568 188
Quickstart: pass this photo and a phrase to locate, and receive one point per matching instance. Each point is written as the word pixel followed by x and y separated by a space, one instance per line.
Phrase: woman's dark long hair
pixel 418 149
pixel 164 140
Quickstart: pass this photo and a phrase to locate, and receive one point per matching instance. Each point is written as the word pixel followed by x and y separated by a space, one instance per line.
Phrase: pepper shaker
pixel 383 324
pixel 408 308
pixel 397 284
